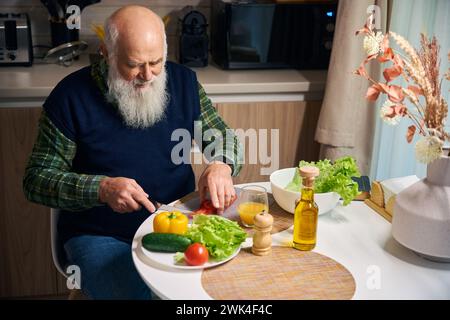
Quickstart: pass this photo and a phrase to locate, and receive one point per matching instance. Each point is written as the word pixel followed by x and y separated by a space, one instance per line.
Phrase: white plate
pixel 167 259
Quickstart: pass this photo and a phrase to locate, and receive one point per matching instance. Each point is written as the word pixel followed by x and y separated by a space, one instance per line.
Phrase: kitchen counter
pixel 31 85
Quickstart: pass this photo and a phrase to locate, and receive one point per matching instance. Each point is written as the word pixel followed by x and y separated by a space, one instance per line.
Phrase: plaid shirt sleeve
pixel 229 148
pixel 48 180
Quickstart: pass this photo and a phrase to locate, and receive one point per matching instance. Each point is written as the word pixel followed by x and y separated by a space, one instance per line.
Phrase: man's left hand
pixel 217 180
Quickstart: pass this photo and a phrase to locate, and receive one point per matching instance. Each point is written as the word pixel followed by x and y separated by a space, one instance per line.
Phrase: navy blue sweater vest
pixel 105 146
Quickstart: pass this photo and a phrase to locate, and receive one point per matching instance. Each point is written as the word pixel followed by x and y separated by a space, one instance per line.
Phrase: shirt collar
pixel 99 72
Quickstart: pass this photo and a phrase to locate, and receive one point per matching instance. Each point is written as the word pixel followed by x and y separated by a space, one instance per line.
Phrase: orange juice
pixel 248 210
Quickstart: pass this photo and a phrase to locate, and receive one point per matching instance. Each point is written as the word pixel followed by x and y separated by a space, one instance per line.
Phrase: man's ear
pixel 103 51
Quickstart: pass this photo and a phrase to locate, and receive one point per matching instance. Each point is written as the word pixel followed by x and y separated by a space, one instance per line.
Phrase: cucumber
pixel 165 242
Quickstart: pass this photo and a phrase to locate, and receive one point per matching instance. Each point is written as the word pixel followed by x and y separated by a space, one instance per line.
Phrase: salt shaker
pixel 262 240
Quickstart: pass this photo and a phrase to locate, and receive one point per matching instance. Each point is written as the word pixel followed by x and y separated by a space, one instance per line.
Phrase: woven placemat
pixel 284 274
pixel 282 219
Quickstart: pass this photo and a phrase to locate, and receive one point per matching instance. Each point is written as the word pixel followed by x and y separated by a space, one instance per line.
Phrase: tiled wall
pixel 98 12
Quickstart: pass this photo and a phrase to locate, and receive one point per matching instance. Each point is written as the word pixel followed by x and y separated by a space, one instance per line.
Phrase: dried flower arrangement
pixel 420 69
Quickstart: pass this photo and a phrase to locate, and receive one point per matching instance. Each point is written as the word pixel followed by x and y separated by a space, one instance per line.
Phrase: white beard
pixel 140 108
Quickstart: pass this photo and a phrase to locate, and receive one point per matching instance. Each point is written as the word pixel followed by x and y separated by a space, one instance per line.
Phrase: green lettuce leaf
pixel 178 257
pixel 219 235
pixel 335 177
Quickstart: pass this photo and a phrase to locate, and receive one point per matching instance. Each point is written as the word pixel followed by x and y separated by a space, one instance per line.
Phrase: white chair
pixel 58 253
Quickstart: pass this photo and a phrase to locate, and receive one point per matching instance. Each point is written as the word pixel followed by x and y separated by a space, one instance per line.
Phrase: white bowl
pixel 286 199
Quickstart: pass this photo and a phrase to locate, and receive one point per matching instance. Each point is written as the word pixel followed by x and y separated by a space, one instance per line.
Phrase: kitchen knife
pixel 81 3
pixel 63 5
pixel 57 8
pixel 51 8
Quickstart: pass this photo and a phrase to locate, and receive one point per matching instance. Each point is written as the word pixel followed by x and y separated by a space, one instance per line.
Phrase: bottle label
pixel 308 225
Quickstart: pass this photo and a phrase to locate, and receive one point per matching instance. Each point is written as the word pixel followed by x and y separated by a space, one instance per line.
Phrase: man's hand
pixel 124 195
pixel 217 180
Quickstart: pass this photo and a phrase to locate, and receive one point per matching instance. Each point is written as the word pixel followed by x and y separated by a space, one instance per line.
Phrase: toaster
pixel 16 48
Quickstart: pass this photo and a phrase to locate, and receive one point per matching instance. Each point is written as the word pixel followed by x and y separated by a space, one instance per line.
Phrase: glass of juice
pixel 252 200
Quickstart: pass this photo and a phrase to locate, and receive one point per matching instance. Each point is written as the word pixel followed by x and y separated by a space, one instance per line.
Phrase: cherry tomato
pixel 196 254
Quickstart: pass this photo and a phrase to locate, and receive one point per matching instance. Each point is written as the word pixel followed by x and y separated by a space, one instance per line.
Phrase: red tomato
pixel 207 204
pixel 206 208
pixel 196 254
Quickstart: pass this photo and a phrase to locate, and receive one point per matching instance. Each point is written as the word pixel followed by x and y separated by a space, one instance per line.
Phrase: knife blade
pixel 165 207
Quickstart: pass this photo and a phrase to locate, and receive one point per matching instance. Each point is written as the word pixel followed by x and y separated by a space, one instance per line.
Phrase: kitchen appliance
pixel 16 48
pixel 193 47
pixel 262 34
pixel 58 16
pixel 65 53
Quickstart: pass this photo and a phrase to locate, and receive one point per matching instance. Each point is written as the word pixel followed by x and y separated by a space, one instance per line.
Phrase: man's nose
pixel 146 73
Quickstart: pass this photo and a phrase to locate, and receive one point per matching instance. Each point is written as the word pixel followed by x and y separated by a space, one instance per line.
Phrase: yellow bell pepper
pixel 170 222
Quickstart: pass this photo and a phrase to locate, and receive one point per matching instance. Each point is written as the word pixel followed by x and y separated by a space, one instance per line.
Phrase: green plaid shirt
pixel 48 178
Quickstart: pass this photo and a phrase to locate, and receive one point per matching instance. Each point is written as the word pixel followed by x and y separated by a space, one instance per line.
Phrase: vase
pixel 421 219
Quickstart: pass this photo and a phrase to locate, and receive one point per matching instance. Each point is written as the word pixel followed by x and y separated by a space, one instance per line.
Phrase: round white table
pixel 355 236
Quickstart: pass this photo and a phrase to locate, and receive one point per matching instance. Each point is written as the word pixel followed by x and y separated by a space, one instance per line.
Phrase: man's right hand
pixel 124 195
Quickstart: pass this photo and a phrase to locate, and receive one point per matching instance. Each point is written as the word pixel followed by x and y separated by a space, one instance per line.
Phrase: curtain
pixel 346 122
pixel 392 155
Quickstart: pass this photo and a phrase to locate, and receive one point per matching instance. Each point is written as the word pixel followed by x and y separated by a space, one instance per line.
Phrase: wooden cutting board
pixel 282 219
pixel 285 274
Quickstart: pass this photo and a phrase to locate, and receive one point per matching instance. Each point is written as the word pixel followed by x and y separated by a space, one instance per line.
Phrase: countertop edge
pixel 36 82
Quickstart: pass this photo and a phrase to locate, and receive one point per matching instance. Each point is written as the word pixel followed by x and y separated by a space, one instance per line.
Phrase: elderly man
pixel 103 152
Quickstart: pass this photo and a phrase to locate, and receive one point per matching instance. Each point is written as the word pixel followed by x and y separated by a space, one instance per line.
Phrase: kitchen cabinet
pixel 26 266
pixel 296 122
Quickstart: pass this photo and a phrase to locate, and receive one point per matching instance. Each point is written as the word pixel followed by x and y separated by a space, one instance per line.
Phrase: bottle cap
pixel 309 172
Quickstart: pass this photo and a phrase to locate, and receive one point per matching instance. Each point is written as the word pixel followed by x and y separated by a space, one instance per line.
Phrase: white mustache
pixel 140 82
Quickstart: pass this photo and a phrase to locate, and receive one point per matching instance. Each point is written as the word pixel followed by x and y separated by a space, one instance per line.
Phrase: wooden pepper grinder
pixel 262 240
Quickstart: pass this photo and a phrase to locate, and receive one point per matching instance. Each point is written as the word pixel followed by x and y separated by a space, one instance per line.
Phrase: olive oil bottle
pixel 306 212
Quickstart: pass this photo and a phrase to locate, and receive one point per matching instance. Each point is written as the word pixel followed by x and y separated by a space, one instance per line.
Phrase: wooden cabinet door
pixel 26 267
pixel 296 122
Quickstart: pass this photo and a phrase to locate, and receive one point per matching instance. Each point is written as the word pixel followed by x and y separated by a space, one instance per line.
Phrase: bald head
pixel 132 27
pixel 134 13
pixel 137 24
